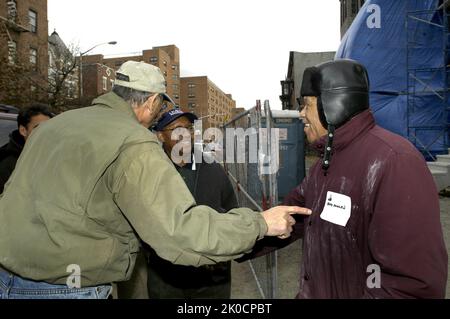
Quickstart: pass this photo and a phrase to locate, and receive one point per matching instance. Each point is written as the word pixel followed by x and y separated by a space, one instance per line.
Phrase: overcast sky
pixel 241 45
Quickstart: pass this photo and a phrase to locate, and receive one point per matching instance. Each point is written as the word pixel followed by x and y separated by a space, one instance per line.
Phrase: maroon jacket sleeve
pixel 270 244
pixel 405 233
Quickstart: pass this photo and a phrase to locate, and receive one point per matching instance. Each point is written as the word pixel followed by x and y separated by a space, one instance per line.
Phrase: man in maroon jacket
pixel 375 230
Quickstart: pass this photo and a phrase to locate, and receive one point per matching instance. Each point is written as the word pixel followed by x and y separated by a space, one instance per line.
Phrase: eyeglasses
pixel 163 108
pixel 165 105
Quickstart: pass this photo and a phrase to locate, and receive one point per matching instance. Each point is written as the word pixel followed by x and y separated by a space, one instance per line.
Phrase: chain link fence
pixel 252 151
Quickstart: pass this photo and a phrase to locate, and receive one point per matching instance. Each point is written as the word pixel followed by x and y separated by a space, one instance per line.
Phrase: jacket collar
pixel 16 141
pixel 347 133
pixel 115 102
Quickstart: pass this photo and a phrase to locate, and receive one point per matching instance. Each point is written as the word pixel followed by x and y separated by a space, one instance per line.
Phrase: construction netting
pixel 404 45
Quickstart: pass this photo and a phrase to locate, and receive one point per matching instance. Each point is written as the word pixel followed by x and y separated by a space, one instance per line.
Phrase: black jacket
pixel 9 153
pixel 211 187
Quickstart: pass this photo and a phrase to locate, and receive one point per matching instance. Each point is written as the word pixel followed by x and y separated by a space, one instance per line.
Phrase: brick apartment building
pixel 243 121
pixel 167 58
pixel 97 77
pixel 23 51
pixel 202 97
pixel 237 111
pixel 194 94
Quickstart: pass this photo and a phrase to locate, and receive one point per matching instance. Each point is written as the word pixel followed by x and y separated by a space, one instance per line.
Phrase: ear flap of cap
pixel 320 110
pixel 339 106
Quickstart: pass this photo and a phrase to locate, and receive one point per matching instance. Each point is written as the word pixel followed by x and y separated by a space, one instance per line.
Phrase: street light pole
pixel 210 115
pixel 80 69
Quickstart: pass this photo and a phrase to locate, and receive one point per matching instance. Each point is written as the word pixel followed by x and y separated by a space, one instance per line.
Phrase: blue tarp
pixel 394 47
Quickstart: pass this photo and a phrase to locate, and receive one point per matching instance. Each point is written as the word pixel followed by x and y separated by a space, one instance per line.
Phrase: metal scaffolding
pixel 422 78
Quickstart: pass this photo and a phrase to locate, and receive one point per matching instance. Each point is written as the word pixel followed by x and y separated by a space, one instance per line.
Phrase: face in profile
pixel 314 129
pixel 35 120
pixel 169 139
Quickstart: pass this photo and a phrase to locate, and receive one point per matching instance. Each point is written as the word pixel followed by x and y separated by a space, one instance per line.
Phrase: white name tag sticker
pixel 338 209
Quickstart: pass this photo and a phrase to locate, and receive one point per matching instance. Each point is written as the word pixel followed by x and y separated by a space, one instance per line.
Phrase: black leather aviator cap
pixel 342 91
pixel 342 87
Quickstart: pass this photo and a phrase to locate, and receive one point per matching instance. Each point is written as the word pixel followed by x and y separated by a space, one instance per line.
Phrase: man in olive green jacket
pixel 89 182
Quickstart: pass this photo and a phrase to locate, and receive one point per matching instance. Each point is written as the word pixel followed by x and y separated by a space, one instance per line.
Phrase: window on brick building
pixel 33 58
pixel 12 10
pixel 32 16
pixel 191 95
pixel 192 105
pixel 105 83
pixel 153 59
pixel 33 91
pixel 191 85
pixel 12 52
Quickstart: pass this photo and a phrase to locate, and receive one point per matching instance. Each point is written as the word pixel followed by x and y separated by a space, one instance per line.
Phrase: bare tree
pixel 21 84
pixel 63 76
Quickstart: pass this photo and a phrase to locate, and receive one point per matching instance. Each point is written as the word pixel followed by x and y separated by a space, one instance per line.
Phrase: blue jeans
pixel 14 287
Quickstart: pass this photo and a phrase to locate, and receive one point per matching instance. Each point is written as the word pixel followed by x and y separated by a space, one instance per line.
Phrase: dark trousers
pixel 136 287
pixel 168 281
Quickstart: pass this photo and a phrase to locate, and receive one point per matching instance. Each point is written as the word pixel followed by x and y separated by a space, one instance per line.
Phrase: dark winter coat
pixel 9 153
pixel 394 224
pixel 211 187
